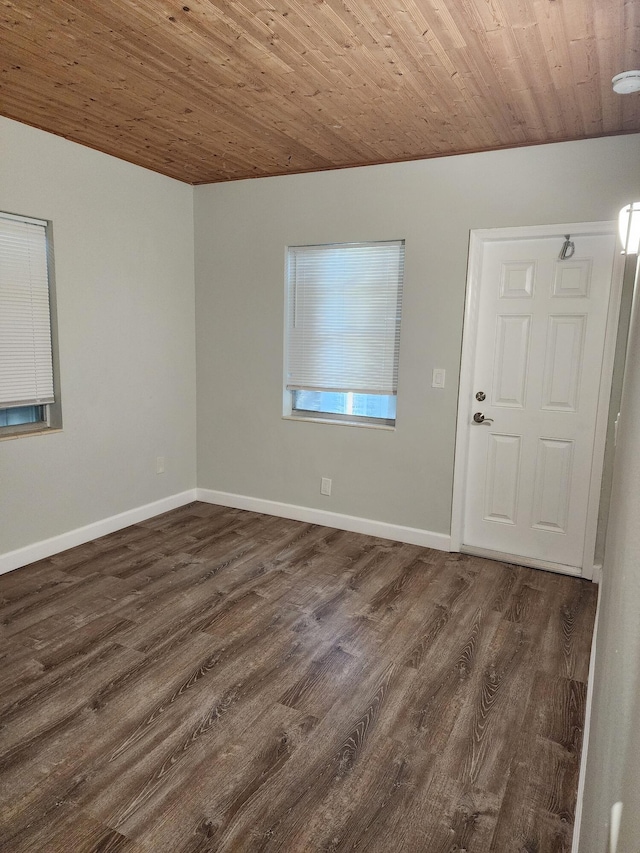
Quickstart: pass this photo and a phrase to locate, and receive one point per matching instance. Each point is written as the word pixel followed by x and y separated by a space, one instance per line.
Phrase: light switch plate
pixel 438 377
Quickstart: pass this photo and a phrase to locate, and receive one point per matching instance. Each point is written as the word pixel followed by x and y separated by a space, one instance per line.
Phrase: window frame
pixel 289 412
pixel 52 420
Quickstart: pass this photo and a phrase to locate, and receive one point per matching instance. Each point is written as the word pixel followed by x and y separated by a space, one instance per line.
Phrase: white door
pixel 535 387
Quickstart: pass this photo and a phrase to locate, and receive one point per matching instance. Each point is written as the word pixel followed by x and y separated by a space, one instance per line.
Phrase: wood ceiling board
pixel 210 90
pixel 610 35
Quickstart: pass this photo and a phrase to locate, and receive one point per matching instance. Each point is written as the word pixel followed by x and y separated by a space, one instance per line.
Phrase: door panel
pixel 563 359
pixel 512 354
pixel 552 489
pixel 517 279
pixel 572 278
pixel 540 336
pixel 501 488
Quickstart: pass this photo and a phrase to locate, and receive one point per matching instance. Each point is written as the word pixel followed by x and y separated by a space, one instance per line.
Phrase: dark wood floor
pixel 218 680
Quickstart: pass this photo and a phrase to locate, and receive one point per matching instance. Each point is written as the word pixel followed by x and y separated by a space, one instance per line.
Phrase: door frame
pixel 478 238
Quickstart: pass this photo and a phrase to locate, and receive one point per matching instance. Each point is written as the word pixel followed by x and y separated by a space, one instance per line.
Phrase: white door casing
pixel 538 342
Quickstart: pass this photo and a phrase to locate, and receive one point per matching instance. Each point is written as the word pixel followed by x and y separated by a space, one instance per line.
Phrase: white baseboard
pixel 397 532
pixel 47 547
pixel 596 577
pixel 587 720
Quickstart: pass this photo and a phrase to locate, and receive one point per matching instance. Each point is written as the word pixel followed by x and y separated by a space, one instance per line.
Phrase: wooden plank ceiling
pixel 217 90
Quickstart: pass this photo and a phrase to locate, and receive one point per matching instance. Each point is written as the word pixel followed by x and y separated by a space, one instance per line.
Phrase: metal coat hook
pixel 568 248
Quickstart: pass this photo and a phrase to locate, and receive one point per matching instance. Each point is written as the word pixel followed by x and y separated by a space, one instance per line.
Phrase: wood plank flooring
pixel 218 680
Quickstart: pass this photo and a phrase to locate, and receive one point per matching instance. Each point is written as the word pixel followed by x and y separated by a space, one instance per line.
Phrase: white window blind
pixel 345 304
pixel 26 372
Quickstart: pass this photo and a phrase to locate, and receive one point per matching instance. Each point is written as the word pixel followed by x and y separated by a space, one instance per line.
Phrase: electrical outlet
pixel 325 486
pixel 159 464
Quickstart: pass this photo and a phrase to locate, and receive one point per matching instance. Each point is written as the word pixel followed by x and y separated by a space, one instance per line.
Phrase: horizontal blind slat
pixel 345 305
pixel 26 372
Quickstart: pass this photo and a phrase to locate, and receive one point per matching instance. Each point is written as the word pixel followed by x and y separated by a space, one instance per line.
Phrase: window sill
pixel 9 434
pixel 359 424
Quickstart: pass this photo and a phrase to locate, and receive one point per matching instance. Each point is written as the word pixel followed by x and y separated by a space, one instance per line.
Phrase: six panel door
pixel 539 351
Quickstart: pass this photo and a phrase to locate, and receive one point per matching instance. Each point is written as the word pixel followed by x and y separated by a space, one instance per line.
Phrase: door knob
pixel 479 418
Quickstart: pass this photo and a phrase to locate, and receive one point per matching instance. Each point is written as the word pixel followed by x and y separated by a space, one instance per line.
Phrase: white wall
pixel 614 746
pixel 124 278
pixel 242 230
pixel 123 242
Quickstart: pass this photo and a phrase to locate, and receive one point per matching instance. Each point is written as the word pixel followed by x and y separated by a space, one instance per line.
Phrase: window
pixel 26 361
pixel 344 305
